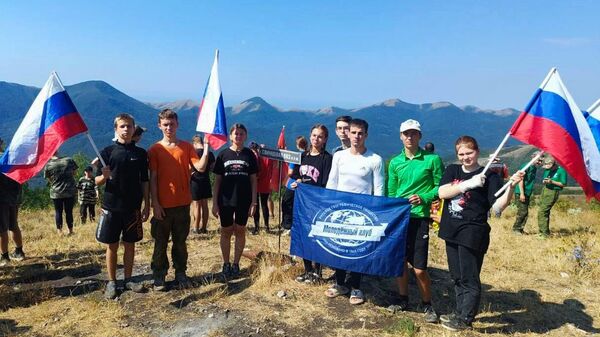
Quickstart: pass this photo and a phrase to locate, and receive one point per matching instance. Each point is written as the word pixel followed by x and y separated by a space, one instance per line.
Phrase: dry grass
pixel 532 287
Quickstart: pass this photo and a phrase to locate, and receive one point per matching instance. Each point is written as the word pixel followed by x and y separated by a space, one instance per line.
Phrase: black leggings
pixel 65 204
pixel 263 199
pixel 287 208
pixel 353 280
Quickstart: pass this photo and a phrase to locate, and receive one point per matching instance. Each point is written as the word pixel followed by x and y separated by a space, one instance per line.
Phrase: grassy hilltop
pixel 532 287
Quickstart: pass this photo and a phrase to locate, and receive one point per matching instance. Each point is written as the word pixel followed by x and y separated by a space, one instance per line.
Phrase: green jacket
pixel 557 174
pixel 420 175
pixel 60 175
pixel 528 181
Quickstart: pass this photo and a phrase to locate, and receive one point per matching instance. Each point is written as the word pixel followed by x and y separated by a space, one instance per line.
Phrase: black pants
pixel 353 280
pixel 66 205
pixel 465 266
pixel 287 208
pixel 263 200
pixel 311 267
pixel 84 209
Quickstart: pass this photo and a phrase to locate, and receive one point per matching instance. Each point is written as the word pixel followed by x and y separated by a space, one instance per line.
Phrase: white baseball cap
pixel 410 124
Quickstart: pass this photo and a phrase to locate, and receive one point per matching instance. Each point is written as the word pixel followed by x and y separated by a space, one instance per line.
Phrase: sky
pixel 309 54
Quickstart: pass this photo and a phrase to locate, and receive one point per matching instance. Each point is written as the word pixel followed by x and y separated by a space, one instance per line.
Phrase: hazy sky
pixel 309 54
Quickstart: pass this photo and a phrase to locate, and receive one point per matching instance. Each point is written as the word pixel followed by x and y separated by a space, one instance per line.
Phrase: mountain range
pixel 98 102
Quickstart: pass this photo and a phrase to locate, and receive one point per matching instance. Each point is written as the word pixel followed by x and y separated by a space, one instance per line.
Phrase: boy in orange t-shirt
pixel 170 161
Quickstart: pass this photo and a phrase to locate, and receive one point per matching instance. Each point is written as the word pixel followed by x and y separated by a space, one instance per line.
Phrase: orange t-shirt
pixel 172 169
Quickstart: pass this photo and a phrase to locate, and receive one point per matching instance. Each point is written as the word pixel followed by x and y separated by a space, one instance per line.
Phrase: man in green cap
pixel 554 180
pixel 523 193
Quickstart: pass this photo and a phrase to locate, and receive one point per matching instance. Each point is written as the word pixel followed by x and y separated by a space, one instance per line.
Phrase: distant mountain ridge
pixel 99 102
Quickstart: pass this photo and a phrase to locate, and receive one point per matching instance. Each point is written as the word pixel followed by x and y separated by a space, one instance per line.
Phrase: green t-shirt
pixel 59 173
pixel 557 174
pixel 420 175
pixel 528 180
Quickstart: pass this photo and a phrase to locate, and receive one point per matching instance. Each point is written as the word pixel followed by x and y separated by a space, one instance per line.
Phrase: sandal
pixel 336 290
pixel 357 297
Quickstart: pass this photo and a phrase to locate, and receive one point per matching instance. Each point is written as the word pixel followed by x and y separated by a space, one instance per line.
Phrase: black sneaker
pixel 110 292
pixel 402 305
pixel 430 314
pixel 133 286
pixel 4 260
pixel 18 255
pixel 304 278
pixel 255 231
pixel 315 278
pixel 448 317
pixel 159 283
pixel 182 280
pixel 235 270
pixel 456 324
pixel 226 271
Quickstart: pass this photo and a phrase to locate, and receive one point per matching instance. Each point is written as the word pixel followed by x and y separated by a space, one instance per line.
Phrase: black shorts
pixel 116 226
pixel 230 215
pixel 417 242
pixel 200 189
pixel 8 218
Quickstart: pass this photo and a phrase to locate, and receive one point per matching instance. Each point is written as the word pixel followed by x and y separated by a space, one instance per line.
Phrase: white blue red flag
pixel 592 115
pixel 50 121
pixel 553 122
pixel 211 116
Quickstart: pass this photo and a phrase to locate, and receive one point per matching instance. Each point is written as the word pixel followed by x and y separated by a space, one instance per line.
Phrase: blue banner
pixel 355 232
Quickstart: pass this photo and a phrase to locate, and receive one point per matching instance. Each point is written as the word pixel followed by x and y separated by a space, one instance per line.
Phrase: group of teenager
pixel 419 176
pixel 163 177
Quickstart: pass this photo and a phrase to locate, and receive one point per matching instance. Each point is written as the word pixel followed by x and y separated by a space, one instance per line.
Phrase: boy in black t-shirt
pixel 126 179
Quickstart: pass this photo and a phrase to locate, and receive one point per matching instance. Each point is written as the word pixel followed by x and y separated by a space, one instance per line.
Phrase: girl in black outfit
pixel 313 170
pixel 234 196
pixel 469 195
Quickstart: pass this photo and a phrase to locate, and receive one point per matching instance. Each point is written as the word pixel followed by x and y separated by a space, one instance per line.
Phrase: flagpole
pixel 95 148
pixel 495 154
pixel 279 212
pixel 593 106
pixel 531 162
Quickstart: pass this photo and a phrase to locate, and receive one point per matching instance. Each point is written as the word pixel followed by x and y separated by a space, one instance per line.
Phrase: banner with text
pixel 355 232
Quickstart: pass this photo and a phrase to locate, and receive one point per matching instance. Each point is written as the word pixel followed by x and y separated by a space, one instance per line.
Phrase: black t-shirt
pixel 236 168
pixel 464 217
pixel 313 170
pixel 129 168
pixel 10 191
pixel 203 176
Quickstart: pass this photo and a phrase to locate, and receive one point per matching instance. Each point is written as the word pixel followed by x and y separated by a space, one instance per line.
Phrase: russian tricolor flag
pixel 211 117
pixel 553 122
pixel 593 118
pixel 50 121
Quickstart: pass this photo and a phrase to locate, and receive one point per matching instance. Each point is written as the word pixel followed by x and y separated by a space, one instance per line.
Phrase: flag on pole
pixel 211 115
pixel 281 139
pixel 50 121
pixel 592 115
pixel 279 176
pixel 553 122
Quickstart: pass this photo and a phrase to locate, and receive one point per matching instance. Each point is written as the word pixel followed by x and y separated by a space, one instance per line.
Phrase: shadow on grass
pixel 517 312
pixel 8 327
pixel 227 286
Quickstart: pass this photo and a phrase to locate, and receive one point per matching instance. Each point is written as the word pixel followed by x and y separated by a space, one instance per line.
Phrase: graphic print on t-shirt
pixel 236 167
pixel 458 203
pixel 309 171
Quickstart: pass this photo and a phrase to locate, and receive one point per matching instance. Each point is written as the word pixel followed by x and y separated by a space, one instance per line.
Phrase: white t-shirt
pixel 357 173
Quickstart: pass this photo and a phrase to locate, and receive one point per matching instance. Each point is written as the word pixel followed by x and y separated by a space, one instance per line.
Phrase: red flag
pixel 281 140
pixel 276 178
